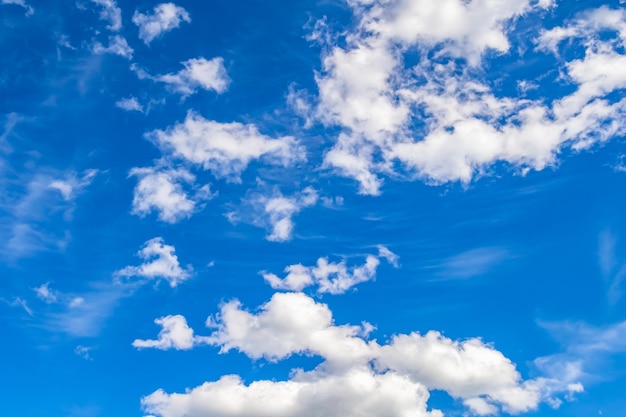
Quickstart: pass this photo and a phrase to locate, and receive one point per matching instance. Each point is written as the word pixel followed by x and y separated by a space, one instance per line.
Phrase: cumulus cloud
pixel 110 13
pixel 275 211
pixel 164 18
pixel 366 88
pixel 21 3
pixel 225 149
pixel 357 393
pixel 161 190
pixel 175 334
pixel 160 262
pixel 117 46
pixel 199 73
pixel 330 277
pixel 364 377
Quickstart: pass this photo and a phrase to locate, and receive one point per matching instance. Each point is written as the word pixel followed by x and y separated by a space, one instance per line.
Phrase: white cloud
pixel 287 324
pixel 161 190
pixel 175 334
pixel 117 46
pixel 366 88
pixel 83 352
pixel 330 277
pixel 225 149
pixel 472 263
pixel 275 212
pixel 72 185
pixel 110 13
pixel 357 393
pixel 358 376
pixel 164 18
pixel 19 302
pixel 22 3
pixel 129 104
pixel 46 294
pixel 199 73
pixel 160 262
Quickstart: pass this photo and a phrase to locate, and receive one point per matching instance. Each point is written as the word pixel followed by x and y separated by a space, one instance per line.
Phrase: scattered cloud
pixel 225 149
pixel 46 294
pixel 160 262
pixel 164 18
pixel 72 185
pixel 586 350
pixel 175 334
pixel 199 73
pixel 274 212
pixel 129 104
pixel 83 352
pixel 161 190
pixel 117 46
pixel 110 13
pixel 330 277
pixel 21 3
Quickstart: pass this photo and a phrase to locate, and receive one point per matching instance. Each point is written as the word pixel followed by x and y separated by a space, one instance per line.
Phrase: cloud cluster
pixel 357 377
pixel 380 103
pixel 330 277
pixel 164 18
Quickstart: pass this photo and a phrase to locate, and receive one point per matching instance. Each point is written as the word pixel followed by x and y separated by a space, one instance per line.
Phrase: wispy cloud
pixel 587 350
pixel 471 263
pixel 613 270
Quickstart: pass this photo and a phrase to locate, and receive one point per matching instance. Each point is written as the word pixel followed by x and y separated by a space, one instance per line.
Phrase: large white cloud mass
pixel 440 119
pixel 358 377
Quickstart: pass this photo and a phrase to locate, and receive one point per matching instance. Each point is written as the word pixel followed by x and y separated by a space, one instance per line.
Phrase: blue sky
pixel 318 208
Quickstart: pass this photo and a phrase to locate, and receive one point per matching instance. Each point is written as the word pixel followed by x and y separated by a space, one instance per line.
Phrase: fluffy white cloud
pixel 129 104
pixel 289 323
pixel 175 334
pixel 199 73
pixel 357 393
pixel 117 46
pixel 409 365
pixel 330 277
pixel 160 262
pixel 110 13
pixel 225 149
pixel 22 3
pixel 164 18
pixel 161 190
pixel 366 88
pixel 275 211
